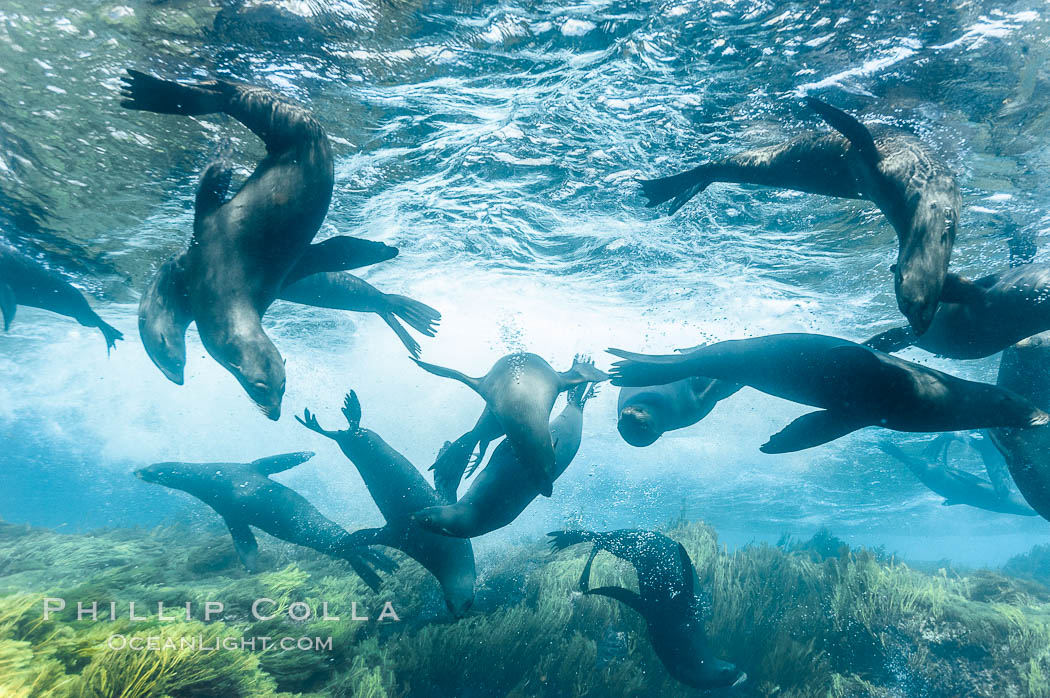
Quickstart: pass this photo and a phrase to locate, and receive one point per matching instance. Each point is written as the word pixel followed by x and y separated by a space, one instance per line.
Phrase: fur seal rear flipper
pixel 504 488
pixel 519 390
pixel 399 491
pixel 855 387
pixel 25 282
pixel 244 496
pixel 916 192
pixel 669 598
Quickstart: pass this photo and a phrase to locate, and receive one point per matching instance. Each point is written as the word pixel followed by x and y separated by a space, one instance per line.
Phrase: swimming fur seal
pixel 24 282
pixel 955 485
pixel 1025 368
pixel 669 598
pixel 915 191
pixel 244 496
pixel 244 249
pixel 399 491
pixel 979 318
pixel 504 488
pixel 519 392
pixel 646 413
pixel 855 386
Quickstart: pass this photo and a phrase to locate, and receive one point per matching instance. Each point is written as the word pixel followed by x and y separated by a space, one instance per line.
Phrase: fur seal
pixel 244 249
pixel 504 488
pixel 399 491
pixel 24 282
pixel 519 392
pixel 669 598
pixel 646 413
pixel 914 190
pixel 1025 368
pixel 955 485
pixel 244 496
pixel 855 386
pixel 976 319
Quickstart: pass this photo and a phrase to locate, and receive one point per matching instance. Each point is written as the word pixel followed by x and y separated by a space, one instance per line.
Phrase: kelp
pixel 812 618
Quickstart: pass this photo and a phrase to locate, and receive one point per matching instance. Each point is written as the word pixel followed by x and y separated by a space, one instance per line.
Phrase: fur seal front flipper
pixel 339 253
pixel 892 341
pixel 245 544
pixel 856 132
pixel 8 305
pixel 813 429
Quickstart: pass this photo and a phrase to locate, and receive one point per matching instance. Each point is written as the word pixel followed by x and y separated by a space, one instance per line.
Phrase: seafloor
pixel 801 618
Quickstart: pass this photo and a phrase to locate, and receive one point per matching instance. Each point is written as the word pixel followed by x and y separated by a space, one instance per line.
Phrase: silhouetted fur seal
pixel 955 485
pixel 24 282
pixel 669 598
pixel 855 386
pixel 244 249
pixel 244 496
pixel 1025 368
pixel 519 392
pixel 399 491
pixel 915 190
pixel 504 488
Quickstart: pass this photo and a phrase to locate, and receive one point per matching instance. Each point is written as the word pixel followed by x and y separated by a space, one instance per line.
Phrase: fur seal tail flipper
pixel 647 369
pixel 8 304
pixel 560 540
pixel 854 131
pixel 406 339
pixel 578 395
pixel 893 340
pixel 362 559
pixel 472 383
pixel 451 464
pixel 112 334
pixel 278 464
pixel 625 596
pixel 339 253
pixel 583 371
pixel 957 289
pixel 681 187
pixel 147 93
pixel 245 544
pixel 811 430
pixel 419 316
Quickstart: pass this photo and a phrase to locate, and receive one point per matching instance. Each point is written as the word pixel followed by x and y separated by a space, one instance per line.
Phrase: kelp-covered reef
pixel 802 619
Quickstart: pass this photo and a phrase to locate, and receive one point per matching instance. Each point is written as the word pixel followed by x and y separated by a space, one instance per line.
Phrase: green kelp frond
pixel 798 619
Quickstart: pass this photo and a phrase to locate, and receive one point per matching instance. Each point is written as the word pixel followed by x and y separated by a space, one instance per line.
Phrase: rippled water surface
pixel 497 145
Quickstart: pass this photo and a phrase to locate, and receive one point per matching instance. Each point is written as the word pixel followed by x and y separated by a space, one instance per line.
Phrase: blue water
pixel 496 144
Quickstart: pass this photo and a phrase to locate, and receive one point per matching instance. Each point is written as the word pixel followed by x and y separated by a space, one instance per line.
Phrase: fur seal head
pixel 637 426
pixel 252 358
pixel 918 275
